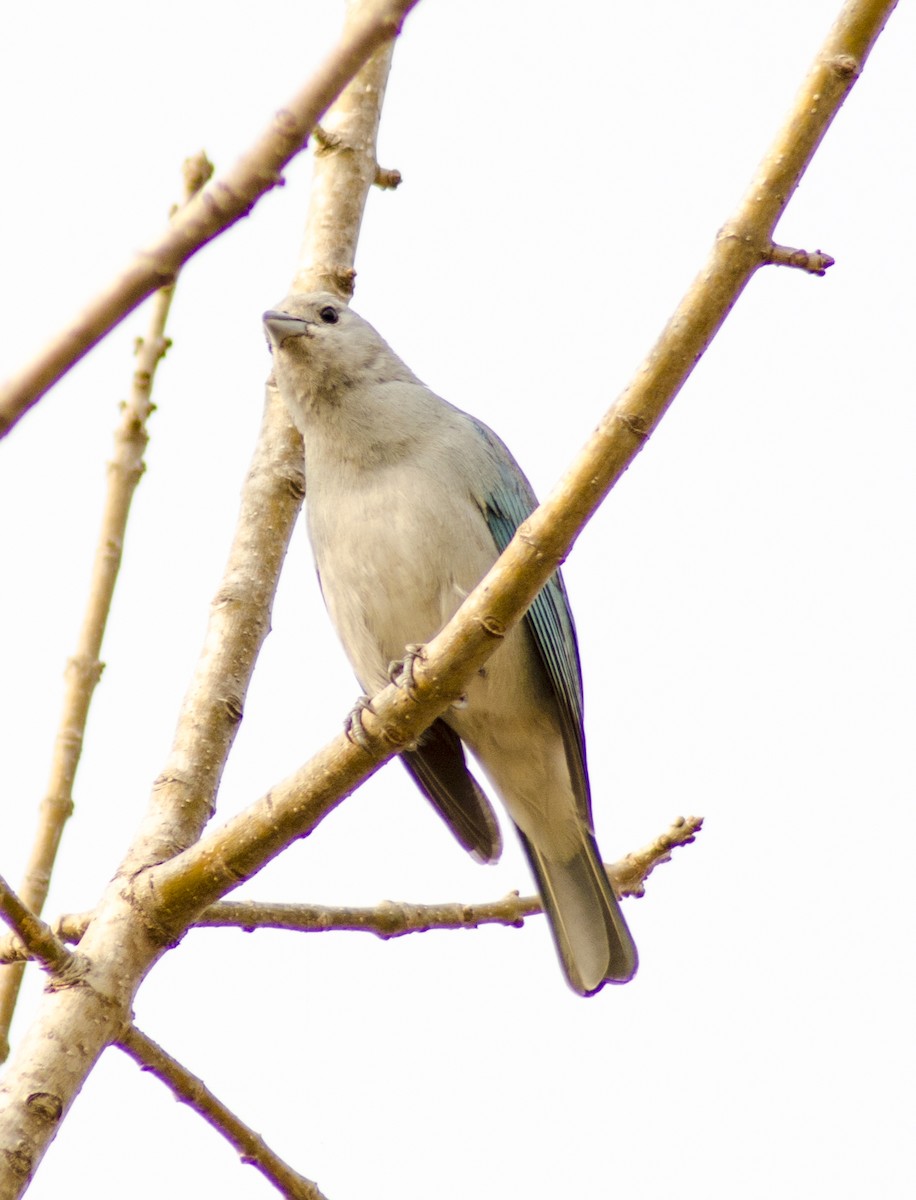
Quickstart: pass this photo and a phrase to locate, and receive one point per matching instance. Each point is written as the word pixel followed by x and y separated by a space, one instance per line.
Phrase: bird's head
pixel 322 349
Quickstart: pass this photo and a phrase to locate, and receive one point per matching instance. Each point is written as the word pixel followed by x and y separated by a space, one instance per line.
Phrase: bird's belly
pixel 393 573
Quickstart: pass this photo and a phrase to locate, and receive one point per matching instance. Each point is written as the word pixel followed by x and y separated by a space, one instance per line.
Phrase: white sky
pixel 744 600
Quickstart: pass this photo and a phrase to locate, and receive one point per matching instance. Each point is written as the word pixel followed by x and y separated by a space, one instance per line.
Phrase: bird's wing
pixel 438 768
pixel 549 619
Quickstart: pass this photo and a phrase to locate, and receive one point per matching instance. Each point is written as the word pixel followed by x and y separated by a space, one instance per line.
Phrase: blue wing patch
pixel 549 619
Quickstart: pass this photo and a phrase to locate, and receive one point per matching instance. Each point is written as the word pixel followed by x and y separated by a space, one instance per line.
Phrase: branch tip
pixel 815 262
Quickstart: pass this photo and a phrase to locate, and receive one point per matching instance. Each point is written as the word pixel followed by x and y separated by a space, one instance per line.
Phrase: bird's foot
pixel 353 723
pixel 400 672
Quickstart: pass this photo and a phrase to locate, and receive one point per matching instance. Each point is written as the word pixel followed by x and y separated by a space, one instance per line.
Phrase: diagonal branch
pixel 138 916
pixel 39 939
pixel 184 794
pixel 187 1088
pixel 225 857
pixel 219 206
pixel 84 669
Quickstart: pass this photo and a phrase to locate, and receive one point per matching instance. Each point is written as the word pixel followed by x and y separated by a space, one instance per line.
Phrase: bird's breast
pixel 396 554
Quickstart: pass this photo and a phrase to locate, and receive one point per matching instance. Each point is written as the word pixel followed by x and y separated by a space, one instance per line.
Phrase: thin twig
pixel 219 206
pixel 629 875
pixel 84 669
pixel 393 918
pixel 68 928
pixel 815 262
pixel 193 1091
pixel 37 938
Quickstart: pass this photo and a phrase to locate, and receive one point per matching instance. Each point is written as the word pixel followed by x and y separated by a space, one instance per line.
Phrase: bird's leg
pixel 353 722
pixel 400 672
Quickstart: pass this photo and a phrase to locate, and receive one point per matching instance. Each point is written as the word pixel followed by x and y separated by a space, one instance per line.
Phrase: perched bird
pixel 409 503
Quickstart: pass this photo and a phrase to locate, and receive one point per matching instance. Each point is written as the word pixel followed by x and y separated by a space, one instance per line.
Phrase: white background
pixel 744 600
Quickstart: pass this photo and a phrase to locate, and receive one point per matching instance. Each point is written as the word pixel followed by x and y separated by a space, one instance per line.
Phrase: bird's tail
pixel 592 939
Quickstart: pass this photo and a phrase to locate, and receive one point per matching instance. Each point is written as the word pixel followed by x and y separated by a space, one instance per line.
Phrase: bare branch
pixel 193 1091
pixel 224 858
pixel 815 262
pixel 84 669
pixel 630 874
pixel 68 928
pixel 184 794
pixel 123 939
pixel 34 935
pixel 139 914
pixel 391 919
pixel 216 208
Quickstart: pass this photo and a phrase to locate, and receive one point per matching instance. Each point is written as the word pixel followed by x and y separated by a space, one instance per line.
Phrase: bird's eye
pixel 328 315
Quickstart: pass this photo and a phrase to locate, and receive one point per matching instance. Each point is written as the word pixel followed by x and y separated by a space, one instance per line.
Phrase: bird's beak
pixel 280 326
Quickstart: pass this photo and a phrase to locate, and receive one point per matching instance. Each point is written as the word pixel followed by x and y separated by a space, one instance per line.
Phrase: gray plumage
pixel 409 503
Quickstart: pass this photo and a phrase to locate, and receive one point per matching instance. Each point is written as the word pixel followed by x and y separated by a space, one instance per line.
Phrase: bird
pixel 409 502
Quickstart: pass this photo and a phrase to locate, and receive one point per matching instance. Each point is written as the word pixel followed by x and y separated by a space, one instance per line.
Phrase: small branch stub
pixel 815 262
pixel 387 178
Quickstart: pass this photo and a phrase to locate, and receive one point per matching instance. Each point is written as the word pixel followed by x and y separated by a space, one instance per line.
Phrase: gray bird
pixel 409 503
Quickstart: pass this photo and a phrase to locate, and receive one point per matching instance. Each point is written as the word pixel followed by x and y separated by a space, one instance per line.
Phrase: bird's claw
pixel 400 672
pixel 353 723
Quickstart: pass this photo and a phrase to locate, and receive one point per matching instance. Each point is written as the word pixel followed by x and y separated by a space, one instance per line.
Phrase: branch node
pixel 196 170
pixel 494 627
pixel 846 66
pixel 340 280
pixel 325 141
pixel 45 1105
pixel 636 423
pixel 85 668
pixel 387 178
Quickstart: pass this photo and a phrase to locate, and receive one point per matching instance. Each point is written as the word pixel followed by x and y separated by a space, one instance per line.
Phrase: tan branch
pixel 68 928
pixel 217 207
pixel 34 936
pixel 387 178
pixel 225 857
pixel 193 1091
pixel 394 918
pixel 815 262
pixel 391 919
pixel 630 874
pixel 122 942
pixel 84 669
pixel 184 794
pixel 137 915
